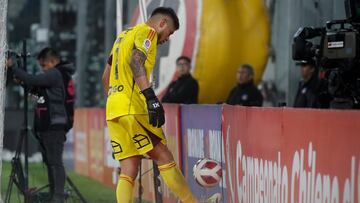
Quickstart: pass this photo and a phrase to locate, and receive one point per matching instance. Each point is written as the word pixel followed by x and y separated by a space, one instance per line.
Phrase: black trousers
pixel 52 143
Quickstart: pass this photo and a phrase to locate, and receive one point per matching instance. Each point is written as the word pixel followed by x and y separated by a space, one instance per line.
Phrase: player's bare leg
pixel 171 173
pixel 161 154
pixel 129 170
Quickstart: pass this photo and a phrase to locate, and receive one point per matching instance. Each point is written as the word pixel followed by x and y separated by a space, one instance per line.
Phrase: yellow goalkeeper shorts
pixel 132 135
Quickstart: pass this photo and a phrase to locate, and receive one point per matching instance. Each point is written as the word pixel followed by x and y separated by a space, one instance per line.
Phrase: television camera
pixel 337 55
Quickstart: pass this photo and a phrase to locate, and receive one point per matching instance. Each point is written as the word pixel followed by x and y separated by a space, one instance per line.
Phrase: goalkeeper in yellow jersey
pixel 133 112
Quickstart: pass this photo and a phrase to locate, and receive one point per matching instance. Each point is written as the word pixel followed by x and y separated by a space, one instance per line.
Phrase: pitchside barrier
pixel 201 137
pixel 292 155
pixel 268 154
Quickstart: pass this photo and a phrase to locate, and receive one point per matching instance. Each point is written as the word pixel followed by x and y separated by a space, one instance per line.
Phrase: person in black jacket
pixel 185 89
pixel 245 93
pixel 307 95
pixel 54 92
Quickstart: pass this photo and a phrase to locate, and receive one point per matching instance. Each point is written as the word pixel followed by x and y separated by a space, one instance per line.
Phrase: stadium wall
pixel 268 154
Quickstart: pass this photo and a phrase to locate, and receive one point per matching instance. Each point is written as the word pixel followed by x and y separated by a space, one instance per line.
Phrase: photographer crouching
pixel 53 116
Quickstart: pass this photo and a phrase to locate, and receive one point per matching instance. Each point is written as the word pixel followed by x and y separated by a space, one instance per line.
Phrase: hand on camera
pixel 17 81
pixel 9 63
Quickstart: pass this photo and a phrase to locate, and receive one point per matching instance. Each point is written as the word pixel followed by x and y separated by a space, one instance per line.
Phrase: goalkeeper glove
pixel 155 109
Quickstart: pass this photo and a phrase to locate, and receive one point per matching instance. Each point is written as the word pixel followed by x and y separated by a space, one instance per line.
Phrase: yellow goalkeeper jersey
pixel 124 95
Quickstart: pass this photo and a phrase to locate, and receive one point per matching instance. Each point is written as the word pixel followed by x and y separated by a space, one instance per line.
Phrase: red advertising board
pixel 81 141
pixel 172 129
pixel 291 155
pixel 111 166
pixel 173 136
pixel 90 154
pixel 96 118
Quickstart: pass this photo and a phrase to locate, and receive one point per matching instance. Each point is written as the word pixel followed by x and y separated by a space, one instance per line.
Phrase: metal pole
pixel 157 184
pixel 110 13
pixel 45 14
pixel 25 130
pixel 81 51
pixel 143 11
pixel 119 20
pixel 140 189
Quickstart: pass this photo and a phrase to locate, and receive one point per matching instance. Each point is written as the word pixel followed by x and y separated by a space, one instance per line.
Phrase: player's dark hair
pixel 187 59
pixel 48 52
pixel 169 12
pixel 248 68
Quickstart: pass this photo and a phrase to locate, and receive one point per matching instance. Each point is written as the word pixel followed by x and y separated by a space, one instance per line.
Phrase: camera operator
pixel 312 90
pixel 54 91
pixel 308 90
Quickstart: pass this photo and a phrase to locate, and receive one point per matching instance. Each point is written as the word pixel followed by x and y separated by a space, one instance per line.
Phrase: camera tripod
pixel 19 175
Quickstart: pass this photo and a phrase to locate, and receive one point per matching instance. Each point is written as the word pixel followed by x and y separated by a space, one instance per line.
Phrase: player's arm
pixel 155 109
pixel 105 78
pixel 137 62
pixel 51 78
pixel 106 75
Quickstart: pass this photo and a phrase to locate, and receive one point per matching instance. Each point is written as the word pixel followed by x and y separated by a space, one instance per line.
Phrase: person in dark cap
pixel 307 95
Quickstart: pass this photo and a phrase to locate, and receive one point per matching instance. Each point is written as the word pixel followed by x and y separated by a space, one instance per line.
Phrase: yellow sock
pixel 124 189
pixel 175 180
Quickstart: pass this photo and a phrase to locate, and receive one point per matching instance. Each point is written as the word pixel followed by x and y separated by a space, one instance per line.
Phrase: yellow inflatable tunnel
pixel 232 32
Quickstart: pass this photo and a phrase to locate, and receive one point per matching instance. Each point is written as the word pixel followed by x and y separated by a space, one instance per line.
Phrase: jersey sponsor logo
pixel 115 89
pixel 116 147
pixel 141 141
pixel 147 44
